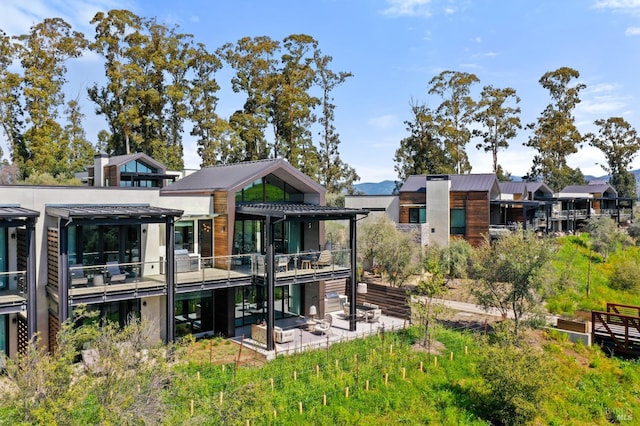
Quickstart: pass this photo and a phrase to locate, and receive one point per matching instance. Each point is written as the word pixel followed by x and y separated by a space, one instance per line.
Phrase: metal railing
pixel 14 283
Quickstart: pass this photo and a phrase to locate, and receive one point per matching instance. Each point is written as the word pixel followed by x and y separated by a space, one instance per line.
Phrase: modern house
pixel 476 206
pixel 223 248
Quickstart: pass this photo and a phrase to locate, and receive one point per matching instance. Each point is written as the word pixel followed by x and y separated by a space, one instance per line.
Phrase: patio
pixel 304 340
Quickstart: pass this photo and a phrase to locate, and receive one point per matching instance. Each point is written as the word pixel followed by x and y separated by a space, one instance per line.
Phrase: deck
pixel 618 329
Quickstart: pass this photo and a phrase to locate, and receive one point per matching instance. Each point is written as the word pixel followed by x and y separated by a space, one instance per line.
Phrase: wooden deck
pixel 617 329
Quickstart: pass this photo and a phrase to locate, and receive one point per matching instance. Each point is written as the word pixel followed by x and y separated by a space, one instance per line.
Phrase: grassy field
pixel 391 380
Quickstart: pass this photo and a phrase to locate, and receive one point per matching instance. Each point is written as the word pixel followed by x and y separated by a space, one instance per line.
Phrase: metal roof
pixel 124 211
pixel 476 182
pixel 596 188
pixel 233 177
pixel 539 186
pixel 14 213
pixel 301 211
pixel 512 187
pixel 415 183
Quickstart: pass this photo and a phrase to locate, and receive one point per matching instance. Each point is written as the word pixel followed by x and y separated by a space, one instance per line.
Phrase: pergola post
pixel 271 292
pixel 352 281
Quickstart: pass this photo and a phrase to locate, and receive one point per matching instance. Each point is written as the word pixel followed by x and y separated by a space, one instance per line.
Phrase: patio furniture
pixel 324 325
pixel 283 336
pixel 282 263
pixel 373 315
pixel 324 259
pixel 259 333
pixel 77 275
pixel 115 274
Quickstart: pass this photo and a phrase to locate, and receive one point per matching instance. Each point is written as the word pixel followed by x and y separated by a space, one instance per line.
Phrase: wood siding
pixel 54 328
pixel 393 301
pixel 52 258
pixel 410 200
pixel 221 228
pixel 477 209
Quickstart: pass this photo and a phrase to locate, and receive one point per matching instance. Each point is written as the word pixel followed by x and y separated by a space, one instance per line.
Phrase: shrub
pixel 624 274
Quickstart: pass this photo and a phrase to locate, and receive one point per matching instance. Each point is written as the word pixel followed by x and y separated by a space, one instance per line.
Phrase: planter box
pixel 575 326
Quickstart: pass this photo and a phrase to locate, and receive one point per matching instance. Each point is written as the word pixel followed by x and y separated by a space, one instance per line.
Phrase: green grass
pixel 585 387
pixel 573 275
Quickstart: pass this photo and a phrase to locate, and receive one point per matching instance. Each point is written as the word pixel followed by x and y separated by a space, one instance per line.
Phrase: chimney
pixel 99 163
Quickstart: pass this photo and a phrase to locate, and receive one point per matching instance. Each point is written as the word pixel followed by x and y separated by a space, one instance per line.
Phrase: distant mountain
pixel 386 187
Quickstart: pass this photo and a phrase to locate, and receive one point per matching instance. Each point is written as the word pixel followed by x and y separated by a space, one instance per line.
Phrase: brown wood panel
pixel 22 335
pixel 412 198
pixel 220 202
pixel 221 244
pixel 52 257
pixel 339 286
pixel 54 328
pixel 393 301
pixel 477 212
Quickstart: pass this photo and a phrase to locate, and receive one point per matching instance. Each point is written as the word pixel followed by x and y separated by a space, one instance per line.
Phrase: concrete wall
pixel 377 204
pixel 438 211
pixel 38 197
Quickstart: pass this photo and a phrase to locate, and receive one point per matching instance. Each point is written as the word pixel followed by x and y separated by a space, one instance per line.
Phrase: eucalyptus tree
pixel 43 53
pixel 500 120
pixel 10 107
pixel 455 114
pixel 619 142
pixel 146 99
pixel 80 150
pixel 555 135
pixel 254 63
pixel 422 152
pixel 333 173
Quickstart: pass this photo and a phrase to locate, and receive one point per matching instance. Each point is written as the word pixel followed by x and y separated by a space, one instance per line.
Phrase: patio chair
pixel 115 274
pixel 282 263
pixel 324 325
pixel 373 315
pixel 77 275
pixel 323 260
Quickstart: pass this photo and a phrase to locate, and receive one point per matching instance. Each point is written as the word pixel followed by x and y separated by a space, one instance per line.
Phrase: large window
pixel 134 169
pixel 418 215
pixel 458 221
pixel 270 188
pixel 96 245
pixel 194 313
pixel 115 312
pixel 184 238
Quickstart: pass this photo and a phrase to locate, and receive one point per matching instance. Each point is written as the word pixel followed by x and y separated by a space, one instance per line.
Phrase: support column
pixel 271 285
pixel 170 276
pixel 352 281
pixel 32 307
pixel 63 285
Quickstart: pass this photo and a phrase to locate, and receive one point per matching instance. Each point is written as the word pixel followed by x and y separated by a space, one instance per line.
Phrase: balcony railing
pixel 140 276
pixel 13 288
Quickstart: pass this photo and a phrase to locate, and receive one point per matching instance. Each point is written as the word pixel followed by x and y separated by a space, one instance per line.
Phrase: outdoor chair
pixel 282 263
pixel 77 275
pixel 115 274
pixel 373 315
pixel 324 325
pixel 323 260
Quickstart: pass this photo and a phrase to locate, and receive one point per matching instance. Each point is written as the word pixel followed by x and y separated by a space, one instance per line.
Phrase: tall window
pixel 458 221
pixel 184 238
pixel 269 188
pixel 4 332
pixel 418 215
pixel 97 245
pixel 139 168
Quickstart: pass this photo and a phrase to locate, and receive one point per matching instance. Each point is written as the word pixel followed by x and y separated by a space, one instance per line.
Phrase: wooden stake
pixel 346 392
pixel 317 370
pixel 421 366
pixel 336 363
pixel 435 361
pixel 451 356
pixel 366 385
pixel 198 375
pixel 275 414
pixel 300 407
pixel 271 380
pixel 295 375
pixel 386 378
pixel 391 349
pixel 466 350
pixel 324 399
pixel 221 396
pixel 191 408
pixel 404 373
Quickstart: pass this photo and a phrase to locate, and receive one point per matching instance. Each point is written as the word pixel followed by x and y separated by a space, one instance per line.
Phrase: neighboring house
pixel 131 170
pixel 223 248
pixel 450 205
pixel 575 204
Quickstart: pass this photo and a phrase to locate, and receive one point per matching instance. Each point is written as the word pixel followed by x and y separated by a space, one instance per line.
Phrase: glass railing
pixel 14 284
pixel 133 274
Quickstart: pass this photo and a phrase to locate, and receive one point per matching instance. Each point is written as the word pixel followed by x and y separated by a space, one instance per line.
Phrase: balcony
pixel 13 291
pixel 117 281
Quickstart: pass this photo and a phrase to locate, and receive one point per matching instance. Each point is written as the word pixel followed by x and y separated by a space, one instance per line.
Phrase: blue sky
pixel 393 48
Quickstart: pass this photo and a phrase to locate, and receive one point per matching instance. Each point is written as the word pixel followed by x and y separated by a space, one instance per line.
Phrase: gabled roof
pixel 233 177
pixel 513 187
pixel 414 183
pixel 534 187
pixel 119 160
pixel 592 188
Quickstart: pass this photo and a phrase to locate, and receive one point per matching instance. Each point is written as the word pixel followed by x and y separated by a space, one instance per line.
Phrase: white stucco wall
pixel 438 211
